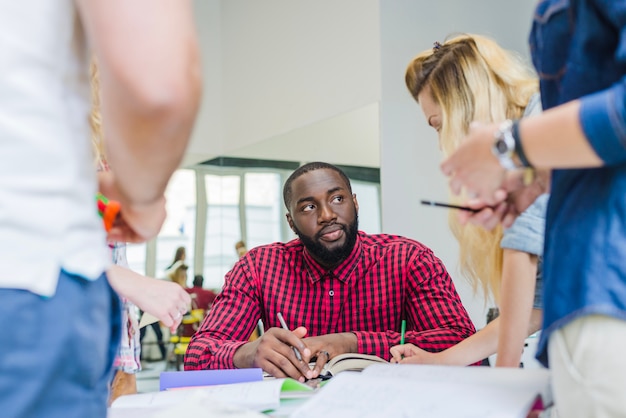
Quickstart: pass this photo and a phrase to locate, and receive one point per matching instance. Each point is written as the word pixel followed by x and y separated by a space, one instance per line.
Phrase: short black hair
pixel 198 280
pixel 317 165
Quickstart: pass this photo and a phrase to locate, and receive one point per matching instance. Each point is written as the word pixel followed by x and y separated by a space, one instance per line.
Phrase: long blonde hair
pixel 472 78
pixel 95 117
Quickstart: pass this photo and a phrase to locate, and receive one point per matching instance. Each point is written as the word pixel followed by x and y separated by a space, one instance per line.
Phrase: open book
pixel 394 390
pixel 236 399
pixel 350 361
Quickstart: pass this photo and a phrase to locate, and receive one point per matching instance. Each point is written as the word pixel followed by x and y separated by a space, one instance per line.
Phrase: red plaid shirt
pixel 386 278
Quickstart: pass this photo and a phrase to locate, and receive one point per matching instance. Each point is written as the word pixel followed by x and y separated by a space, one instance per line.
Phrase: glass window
pixel 180 224
pixel 223 228
pixel 263 208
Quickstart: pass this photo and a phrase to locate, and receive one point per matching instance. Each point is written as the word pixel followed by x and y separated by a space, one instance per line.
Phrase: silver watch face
pixel 501 147
pixel 504 146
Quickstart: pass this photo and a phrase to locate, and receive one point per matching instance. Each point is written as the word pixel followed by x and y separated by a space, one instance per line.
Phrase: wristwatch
pixel 504 146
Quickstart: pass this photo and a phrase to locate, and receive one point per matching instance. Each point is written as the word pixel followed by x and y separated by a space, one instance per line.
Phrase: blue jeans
pixel 56 354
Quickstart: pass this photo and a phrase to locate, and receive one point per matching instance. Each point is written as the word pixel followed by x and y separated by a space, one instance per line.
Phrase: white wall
pixel 290 64
pixel 409 153
pixel 284 78
pixel 207 138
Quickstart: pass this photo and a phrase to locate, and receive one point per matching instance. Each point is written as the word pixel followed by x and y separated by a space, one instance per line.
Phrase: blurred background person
pixel 178 273
pixel 240 247
pixel 179 255
pixel 201 298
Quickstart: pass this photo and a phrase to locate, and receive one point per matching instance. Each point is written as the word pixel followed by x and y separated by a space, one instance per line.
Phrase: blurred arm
pixel 150 74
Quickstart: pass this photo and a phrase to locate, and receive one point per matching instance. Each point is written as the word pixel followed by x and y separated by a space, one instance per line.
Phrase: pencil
pixel 447 205
pixel 284 325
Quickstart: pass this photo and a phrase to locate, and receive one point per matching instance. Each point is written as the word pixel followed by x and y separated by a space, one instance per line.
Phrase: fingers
pixel 397 353
pixel 322 357
pixel 275 354
pixel 285 364
pixel 488 218
pixel 509 217
pixel 298 344
pixel 138 223
pixel 473 165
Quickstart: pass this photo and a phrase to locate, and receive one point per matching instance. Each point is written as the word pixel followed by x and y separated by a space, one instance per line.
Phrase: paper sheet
pixel 147 319
pixel 428 391
pixel 194 406
pixel 258 396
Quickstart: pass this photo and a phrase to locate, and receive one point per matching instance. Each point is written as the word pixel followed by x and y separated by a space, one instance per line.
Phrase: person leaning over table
pixel 495 84
pixel 339 289
pixel 579 51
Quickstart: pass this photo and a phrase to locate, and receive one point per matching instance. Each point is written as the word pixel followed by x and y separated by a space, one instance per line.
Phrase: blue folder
pixel 178 379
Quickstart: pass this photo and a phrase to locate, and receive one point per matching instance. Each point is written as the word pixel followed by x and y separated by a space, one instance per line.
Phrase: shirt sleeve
pixel 228 325
pixel 436 318
pixel 603 114
pixel 527 232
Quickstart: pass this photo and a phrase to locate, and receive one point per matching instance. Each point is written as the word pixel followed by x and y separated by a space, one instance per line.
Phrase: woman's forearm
pixel 519 272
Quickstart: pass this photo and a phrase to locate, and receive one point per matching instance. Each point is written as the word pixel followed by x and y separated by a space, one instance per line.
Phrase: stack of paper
pixel 249 397
pixel 392 390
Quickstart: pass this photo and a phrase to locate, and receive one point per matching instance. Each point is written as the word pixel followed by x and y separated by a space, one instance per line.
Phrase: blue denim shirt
pixel 579 51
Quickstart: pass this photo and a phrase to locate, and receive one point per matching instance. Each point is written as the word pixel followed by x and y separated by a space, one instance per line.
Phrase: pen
pixel 284 325
pixel 402 332
pixel 447 205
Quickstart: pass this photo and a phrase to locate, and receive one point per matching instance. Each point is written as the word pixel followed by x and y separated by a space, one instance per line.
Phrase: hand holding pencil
pixel 284 325
pixel 279 352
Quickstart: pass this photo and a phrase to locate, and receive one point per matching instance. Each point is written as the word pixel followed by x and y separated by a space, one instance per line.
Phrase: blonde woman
pixel 470 77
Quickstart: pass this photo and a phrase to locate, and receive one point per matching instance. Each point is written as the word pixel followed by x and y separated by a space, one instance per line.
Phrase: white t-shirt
pixel 48 214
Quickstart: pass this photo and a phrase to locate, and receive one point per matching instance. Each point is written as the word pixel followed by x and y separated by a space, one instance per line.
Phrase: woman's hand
pixel 412 354
pixel 164 299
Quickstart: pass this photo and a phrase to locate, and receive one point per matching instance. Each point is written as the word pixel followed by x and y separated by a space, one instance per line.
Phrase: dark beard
pixel 326 257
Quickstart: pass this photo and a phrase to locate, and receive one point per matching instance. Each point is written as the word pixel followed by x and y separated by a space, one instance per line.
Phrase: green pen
pixel 402 332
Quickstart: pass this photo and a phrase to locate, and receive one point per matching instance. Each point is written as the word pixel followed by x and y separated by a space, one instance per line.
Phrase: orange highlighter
pixel 108 210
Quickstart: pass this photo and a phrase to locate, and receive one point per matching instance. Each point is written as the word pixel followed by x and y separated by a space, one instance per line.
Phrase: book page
pixel 351 361
pixel 439 392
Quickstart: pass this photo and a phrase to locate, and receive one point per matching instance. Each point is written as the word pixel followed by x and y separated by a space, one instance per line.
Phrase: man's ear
pixel 356 202
pixel 290 221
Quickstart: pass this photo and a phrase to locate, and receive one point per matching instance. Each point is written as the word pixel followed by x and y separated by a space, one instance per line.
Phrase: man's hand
pixel 325 347
pixel 273 352
pixel 514 199
pixel 473 166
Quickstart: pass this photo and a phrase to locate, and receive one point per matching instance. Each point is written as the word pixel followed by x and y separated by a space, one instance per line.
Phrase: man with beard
pixel 340 290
